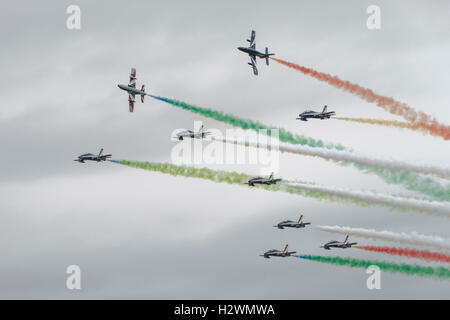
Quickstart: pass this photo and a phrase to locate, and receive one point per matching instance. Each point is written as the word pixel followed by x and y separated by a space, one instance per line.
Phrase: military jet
pixel 132 91
pixel 309 114
pixel 93 157
pixel 337 244
pixel 253 53
pixel 292 224
pixel 259 180
pixel 191 134
pixel 278 253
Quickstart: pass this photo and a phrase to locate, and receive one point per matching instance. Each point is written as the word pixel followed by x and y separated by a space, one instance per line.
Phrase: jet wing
pixel 131 101
pixel 132 82
pixel 131 105
pixel 253 64
pixel 252 37
pixel 133 74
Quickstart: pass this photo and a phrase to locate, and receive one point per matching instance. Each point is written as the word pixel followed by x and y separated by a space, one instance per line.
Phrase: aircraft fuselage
pixel 252 52
pixel 304 116
pixel 252 182
pixel 341 245
pixel 83 158
pixel 277 253
pixel 291 225
pixel 131 89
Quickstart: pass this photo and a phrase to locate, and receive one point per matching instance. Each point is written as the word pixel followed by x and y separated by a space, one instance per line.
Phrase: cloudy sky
pixel 137 234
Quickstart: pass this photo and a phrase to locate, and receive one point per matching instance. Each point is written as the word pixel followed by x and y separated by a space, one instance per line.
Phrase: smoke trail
pixel 225 177
pixel 241 179
pixel 408 269
pixel 386 123
pixel 342 155
pixel 414 238
pixel 411 253
pixel 411 181
pixel 245 124
pixel 428 123
pixel 290 187
pixel 434 207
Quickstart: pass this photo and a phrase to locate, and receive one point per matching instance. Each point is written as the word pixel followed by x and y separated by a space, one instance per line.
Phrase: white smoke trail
pixel 434 207
pixel 413 238
pixel 342 155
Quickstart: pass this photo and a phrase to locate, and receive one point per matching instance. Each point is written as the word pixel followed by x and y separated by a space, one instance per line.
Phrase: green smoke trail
pixel 409 269
pixel 284 135
pixel 241 179
pixel 411 181
pixel 230 178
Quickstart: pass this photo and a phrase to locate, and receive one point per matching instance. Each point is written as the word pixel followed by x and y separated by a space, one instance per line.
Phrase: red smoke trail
pixel 412 253
pixel 419 118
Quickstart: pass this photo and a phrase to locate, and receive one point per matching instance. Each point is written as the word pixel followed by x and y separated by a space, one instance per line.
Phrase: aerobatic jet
pixel 93 157
pixel 292 224
pixel 338 244
pixel 309 114
pixel 191 134
pixel 132 91
pixel 260 180
pixel 253 53
pixel 278 253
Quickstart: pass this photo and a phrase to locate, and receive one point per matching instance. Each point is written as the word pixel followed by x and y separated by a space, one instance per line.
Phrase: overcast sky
pixel 137 234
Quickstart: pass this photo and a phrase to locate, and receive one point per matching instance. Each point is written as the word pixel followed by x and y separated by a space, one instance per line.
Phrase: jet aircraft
pixel 309 114
pixel 278 253
pixel 93 157
pixel 292 224
pixel 191 134
pixel 260 180
pixel 338 244
pixel 132 91
pixel 253 53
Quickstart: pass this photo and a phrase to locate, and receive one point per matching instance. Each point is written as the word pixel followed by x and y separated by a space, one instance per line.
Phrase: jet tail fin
pixel 300 220
pixel 271 176
pixel 346 239
pixel 267 56
pixel 143 95
pixel 286 248
pixel 101 152
pixel 324 109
